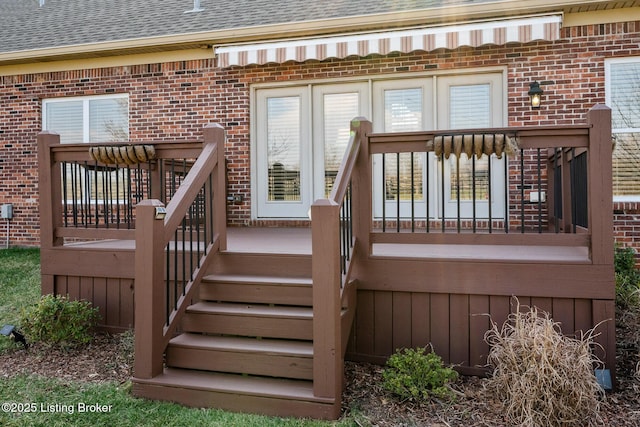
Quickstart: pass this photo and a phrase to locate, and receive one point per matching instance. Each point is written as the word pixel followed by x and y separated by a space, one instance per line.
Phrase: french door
pixel 302 134
pixel 408 185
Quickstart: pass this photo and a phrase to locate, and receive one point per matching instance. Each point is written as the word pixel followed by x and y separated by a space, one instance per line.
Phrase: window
pixel 87 119
pixel 623 96
pixel 83 120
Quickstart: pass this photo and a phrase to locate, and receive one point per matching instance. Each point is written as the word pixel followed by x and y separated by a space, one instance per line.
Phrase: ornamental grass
pixel 542 377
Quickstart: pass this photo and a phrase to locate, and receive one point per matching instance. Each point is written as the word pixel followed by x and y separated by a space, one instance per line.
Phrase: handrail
pixel 333 243
pixel 170 261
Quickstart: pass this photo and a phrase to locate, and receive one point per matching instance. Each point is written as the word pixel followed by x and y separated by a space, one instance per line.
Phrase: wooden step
pixel 257 289
pixel 253 320
pixel 261 395
pixel 267 357
pixel 281 265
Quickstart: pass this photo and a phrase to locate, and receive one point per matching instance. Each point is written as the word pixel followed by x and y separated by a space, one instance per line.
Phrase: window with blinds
pixel 283 148
pixel 623 96
pixel 338 109
pixel 84 120
pixel 469 107
pixel 88 119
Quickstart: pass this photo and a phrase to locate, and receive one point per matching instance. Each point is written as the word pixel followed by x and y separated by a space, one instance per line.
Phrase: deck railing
pixel 551 189
pixel 86 199
pixel 174 245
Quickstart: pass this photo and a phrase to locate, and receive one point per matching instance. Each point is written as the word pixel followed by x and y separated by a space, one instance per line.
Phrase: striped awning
pixel 498 32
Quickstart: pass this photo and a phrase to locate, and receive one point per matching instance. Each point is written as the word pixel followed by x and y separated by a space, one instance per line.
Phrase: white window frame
pixel 608 101
pixel 85 110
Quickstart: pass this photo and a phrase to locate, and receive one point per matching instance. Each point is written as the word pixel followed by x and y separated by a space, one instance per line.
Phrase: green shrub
pixel 57 321
pixel 627 278
pixel 418 374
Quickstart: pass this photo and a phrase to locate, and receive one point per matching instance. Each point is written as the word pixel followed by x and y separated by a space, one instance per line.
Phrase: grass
pixel 19 285
pixel 54 402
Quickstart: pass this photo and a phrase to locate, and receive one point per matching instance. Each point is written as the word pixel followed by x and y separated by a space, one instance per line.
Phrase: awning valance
pixel 498 32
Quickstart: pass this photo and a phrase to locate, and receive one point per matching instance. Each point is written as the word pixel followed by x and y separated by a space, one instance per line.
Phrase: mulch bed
pixel 108 358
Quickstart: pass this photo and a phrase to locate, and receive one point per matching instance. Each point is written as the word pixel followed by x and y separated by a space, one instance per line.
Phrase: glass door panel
pixel 400 180
pixel 334 108
pixel 473 102
pixel 283 151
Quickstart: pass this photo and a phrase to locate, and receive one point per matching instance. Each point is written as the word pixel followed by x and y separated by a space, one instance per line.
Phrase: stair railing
pixel 174 245
pixel 335 243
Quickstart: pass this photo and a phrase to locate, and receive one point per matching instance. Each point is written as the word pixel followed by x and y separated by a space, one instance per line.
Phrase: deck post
pixel 599 185
pixel 215 134
pixel 600 214
pixel 361 182
pixel 50 194
pixel 325 267
pixel 149 296
pixel 50 189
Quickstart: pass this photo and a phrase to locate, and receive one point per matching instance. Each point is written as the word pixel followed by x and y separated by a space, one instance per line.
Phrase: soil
pixel 110 358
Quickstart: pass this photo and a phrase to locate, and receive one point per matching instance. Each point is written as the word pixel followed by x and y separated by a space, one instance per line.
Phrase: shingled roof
pixel 31 27
pixel 25 25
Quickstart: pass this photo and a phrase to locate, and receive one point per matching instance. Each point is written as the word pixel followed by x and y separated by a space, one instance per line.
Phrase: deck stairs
pixel 247 344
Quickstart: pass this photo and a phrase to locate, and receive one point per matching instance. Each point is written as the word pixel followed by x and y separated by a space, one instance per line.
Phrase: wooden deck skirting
pixel 412 288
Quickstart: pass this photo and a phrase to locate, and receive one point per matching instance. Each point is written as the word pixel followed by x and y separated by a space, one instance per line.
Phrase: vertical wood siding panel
pixel 401 320
pixel 440 325
pixel 100 298
pixel 60 287
pixel 603 313
pixel 499 309
pixel 478 326
pixel 364 323
pixel 459 329
pixel 126 303
pixel 420 316
pixel 525 304
pixel 113 302
pixel 383 323
pixel 86 289
pixel 543 304
pixel 563 313
pixel 583 315
pixel 73 287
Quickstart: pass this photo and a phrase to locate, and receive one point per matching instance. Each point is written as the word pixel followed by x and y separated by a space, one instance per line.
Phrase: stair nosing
pixel 244 345
pixel 255 310
pixel 241 279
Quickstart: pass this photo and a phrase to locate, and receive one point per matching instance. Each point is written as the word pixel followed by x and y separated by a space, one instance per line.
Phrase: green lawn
pixel 51 402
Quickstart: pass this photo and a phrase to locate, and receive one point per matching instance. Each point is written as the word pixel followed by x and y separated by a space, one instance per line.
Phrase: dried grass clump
pixel 542 377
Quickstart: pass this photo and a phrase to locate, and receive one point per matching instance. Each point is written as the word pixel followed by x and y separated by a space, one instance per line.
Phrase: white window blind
pixel 624 96
pixel 65 118
pixel 283 147
pixel 469 108
pixel 339 109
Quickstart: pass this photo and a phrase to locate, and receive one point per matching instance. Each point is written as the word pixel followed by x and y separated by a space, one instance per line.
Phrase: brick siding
pixel 175 100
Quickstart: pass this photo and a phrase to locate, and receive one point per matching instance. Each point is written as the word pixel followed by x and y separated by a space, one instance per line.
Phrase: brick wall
pixel 175 100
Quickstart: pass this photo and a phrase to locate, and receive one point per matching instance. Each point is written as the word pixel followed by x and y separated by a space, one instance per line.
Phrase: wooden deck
pixel 271 313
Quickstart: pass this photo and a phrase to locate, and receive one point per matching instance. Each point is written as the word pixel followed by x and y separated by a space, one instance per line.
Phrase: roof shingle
pixel 24 25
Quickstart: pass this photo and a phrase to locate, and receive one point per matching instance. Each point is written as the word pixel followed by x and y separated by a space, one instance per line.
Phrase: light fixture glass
pixel 535 95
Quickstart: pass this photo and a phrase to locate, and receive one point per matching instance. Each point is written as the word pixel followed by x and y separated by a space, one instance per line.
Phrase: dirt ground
pixel 110 358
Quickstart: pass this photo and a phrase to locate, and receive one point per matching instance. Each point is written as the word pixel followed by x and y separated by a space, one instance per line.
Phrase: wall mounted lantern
pixel 535 95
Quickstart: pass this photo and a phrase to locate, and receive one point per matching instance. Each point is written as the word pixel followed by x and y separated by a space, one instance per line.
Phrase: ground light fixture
pixel 11 332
